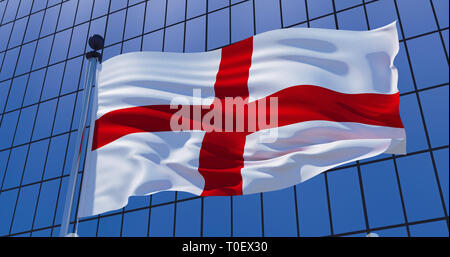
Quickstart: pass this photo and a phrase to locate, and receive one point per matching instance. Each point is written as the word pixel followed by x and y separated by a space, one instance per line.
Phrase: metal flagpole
pixel 96 43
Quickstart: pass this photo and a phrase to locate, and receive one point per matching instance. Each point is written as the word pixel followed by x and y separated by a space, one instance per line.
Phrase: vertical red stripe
pixel 221 154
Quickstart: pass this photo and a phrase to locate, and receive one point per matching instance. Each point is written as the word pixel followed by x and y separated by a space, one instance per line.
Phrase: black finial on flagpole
pixel 96 42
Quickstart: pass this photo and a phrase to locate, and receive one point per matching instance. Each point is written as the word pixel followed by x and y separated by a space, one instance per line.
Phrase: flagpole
pixel 96 43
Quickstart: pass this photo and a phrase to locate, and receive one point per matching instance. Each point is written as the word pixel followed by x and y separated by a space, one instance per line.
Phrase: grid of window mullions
pixel 422 112
pixel 34 123
pixel 439 30
pixel 358 164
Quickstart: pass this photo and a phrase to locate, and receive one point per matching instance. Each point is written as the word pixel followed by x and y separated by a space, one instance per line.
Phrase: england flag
pixel 262 114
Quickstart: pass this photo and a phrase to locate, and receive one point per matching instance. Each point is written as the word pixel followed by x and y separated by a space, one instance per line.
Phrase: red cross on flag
pixel 259 115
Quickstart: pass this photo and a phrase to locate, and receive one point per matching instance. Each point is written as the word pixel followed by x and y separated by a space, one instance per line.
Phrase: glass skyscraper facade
pixel 42 66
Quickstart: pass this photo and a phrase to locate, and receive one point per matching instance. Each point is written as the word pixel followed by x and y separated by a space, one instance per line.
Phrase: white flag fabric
pixel 336 101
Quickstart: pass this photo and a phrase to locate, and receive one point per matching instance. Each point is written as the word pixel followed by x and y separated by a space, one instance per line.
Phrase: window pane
pixel 381 13
pixel 84 11
pixel 326 22
pixel 34 87
pixel 6 31
pixel 154 17
pixel 71 75
pixel 4 155
pixel 175 11
pixel 417 17
pixel 195 35
pixel 241 21
pixel 64 114
pixel 267 14
pixel 153 41
pixel 26 56
pixel 393 232
pixel 66 18
pixel 216 4
pixel 41 233
pixel 441 158
pixel 100 8
pixel 118 4
pixel 218 29
pixel 18 32
pixel 50 20
pixel 11 11
pixel 318 8
pixel 25 125
pixel 441 8
pixel 415 132
pixel 313 207
pixel 163 197
pixel 52 82
pixel 35 162
pixel 15 167
pixel 135 223
pixel 279 213
pixel 61 46
pixel 44 119
pixel 47 204
pixel 135 18
pixel 109 226
pixel 56 156
pixel 419 187
pixel 174 39
pixel 247 215
pixel 7 201
pixel 353 19
pixel 342 4
pixel 24 8
pixel 115 28
pixel 42 52
pixel 431 229
pixel 294 11
pixel 87 228
pixel 195 8
pixel 7 129
pixel 10 57
pixel 161 221
pixel 217 216
pixel 383 201
pixel 17 92
pixel 426 53
pixel 26 203
pixel 188 218
pixel 435 107
pixel 135 202
pixel 346 202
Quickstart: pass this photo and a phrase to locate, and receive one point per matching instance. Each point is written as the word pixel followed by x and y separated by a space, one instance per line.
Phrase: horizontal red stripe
pixel 306 103
pixel 295 104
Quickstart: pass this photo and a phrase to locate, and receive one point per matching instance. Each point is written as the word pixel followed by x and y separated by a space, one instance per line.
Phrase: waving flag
pixel 259 115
